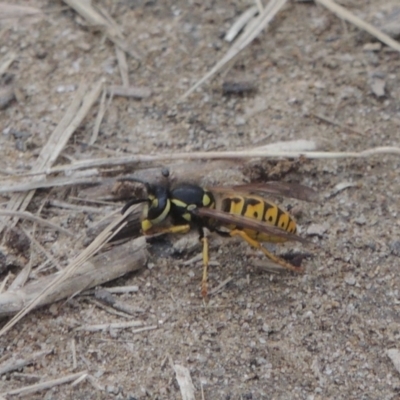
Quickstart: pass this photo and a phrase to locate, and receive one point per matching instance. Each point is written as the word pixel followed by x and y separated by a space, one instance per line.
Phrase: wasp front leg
pixel 169 229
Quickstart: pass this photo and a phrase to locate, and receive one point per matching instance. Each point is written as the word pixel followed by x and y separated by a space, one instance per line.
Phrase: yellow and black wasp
pixel 228 211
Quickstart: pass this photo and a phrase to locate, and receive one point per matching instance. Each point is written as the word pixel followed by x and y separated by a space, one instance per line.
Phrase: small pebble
pixel 394 355
pixel 112 389
pixel 240 121
pixel 361 220
pixel 65 88
pixel 395 248
pixel 378 87
pixel 350 279
pixel 317 229
pixel 372 46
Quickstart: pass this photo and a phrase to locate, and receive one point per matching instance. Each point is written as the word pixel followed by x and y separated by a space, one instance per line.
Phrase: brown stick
pixel 18 363
pixel 44 385
pixel 125 258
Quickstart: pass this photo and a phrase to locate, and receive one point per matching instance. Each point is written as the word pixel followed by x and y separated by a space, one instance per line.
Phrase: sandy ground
pixel 321 335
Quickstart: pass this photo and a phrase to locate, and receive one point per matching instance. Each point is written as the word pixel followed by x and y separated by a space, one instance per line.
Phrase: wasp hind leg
pixel 257 245
pixel 203 238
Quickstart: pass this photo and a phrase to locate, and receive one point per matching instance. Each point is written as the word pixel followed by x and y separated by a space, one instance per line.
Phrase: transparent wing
pixel 247 223
pixel 292 190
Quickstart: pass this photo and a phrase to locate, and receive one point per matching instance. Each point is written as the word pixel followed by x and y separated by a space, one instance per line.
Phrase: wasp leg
pixel 204 293
pixel 257 245
pixel 172 229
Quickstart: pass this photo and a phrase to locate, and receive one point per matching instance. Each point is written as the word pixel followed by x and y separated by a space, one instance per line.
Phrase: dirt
pixel 321 335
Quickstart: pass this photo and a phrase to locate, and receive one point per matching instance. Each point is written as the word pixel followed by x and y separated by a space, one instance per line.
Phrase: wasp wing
pixel 246 223
pixel 293 190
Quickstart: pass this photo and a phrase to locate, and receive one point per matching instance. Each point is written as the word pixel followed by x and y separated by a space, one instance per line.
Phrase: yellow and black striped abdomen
pixel 256 207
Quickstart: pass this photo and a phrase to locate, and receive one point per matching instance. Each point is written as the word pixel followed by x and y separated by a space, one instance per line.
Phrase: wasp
pixel 229 211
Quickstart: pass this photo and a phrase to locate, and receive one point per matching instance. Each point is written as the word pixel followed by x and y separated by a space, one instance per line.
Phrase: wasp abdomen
pixel 256 207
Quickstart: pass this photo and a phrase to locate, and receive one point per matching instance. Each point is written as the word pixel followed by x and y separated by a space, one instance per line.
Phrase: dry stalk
pixel 215 155
pixel 110 310
pixel 241 22
pixel 110 326
pixel 6 61
pixel 52 289
pixel 184 381
pixel 124 258
pixel 123 66
pixel 18 11
pixel 265 17
pixel 27 215
pixel 43 385
pixel 75 114
pixel 99 117
pixel 86 10
pixel 346 15
pixel 136 92
pixel 12 186
pixel 17 363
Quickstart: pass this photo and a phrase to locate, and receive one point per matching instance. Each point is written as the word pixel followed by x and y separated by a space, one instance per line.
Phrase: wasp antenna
pixel 131 203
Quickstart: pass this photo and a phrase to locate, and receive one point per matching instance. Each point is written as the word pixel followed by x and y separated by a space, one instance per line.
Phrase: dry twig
pixel 44 385
pixel 269 12
pixel 185 382
pixel 336 123
pixel 95 19
pixel 12 186
pixel 106 297
pixel 6 61
pixel 125 258
pixel 136 92
pixel 99 117
pixel 75 114
pixel 27 215
pixel 240 23
pixel 110 326
pixel 341 12
pixel 17 363
pixel 210 155
pixel 110 310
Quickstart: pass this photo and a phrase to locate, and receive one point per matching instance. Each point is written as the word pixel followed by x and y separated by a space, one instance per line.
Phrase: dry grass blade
pixel 94 18
pixel 7 60
pixel 8 10
pixel 75 114
pixel 44 385
pixel 114 325
pixel 18 362
pixel 123 66
pixel 88 100
pixel 336 123
pixel 273 7
pixel 136 92
pixel 341 12
pixel 210 155
pixel 73 207
pixel 99 117
pixel 34 218
pixel 11 186
pixel 240 23
pixel 53 286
